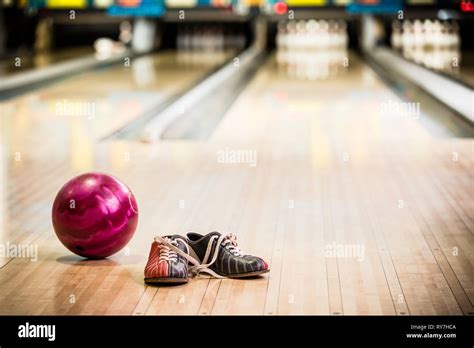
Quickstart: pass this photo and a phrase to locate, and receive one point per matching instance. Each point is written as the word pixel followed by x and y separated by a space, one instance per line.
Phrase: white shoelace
pixel 229 242
pixel 166 252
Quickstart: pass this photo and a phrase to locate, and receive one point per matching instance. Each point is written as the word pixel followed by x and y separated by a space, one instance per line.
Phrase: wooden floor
pixel 332 169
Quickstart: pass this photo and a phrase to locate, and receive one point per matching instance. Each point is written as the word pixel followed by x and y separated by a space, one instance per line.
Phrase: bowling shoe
pixel 168 260
pixel 220 256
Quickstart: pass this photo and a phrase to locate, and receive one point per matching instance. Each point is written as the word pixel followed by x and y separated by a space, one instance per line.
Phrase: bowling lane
pixel 53 131
pixel 435 45
pixel 95 103
pixel 30 62
pixel 336 166
pixel 303 159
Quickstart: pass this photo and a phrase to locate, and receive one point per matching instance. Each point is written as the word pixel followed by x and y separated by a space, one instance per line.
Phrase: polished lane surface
pixel 30 62
pixel 49 132
pixel 359 209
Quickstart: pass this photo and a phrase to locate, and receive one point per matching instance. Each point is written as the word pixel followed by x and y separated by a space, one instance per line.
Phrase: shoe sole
pixel 166 280
pixel 246 275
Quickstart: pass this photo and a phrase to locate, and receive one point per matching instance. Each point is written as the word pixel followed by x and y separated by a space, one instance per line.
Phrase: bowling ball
pixel 94 215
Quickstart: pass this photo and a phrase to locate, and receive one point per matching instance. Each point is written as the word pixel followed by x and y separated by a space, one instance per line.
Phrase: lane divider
pixel 160 122
pixel 17 83
pixel 453 94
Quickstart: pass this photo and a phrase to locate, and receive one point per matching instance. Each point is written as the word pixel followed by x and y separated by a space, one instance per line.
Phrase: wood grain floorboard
pixel 331 170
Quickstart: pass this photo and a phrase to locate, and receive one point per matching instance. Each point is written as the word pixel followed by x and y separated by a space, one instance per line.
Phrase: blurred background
pixel 425 42
pixel 311 37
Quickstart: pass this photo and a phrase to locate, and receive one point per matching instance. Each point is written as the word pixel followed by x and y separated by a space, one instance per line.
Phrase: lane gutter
pixel 456 95
pixel 150 126
pixel 438 117
pixel 22 82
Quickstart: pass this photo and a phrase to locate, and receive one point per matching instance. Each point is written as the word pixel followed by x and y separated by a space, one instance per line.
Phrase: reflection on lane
pixel 434 44
pixel 443 60
pixel 51 134
pixel 93 104
pixel 312 50
pixel 27 61
pixel 313 65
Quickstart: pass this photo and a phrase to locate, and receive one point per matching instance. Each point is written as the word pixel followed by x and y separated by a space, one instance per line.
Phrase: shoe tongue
pixel 212 234
pixel 174 236
pixel 215 233
pixel 181 244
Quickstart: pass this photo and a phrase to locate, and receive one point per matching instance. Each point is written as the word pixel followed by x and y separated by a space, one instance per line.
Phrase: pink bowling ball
pixel 95 215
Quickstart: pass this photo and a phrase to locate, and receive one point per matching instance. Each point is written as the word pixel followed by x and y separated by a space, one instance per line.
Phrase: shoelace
pixel 229 241
pixel 166 252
